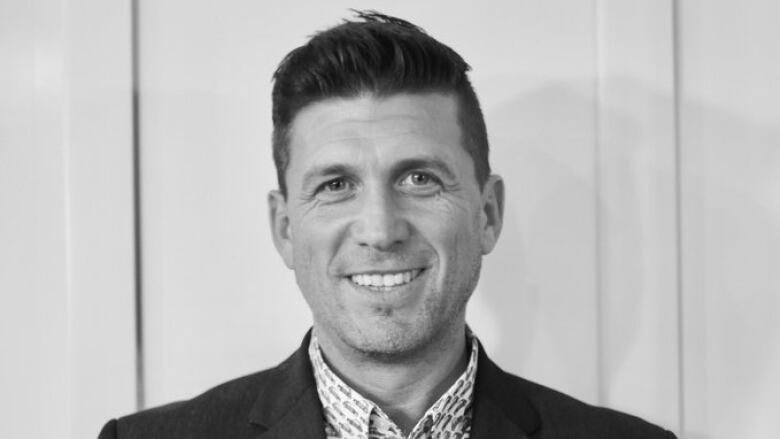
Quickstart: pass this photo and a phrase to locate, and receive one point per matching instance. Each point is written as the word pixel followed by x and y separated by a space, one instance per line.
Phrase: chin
pixel 389 341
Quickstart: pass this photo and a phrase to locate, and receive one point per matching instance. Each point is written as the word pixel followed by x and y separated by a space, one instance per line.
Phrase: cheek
pixel 459 244
pixel 453 225
pixel 316 239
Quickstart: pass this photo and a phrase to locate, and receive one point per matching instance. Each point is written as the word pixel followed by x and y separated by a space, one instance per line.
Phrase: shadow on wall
pixel 540 284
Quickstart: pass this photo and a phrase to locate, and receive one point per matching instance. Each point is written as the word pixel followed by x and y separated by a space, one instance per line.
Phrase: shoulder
pixel 562 416
pixel 222 410
pixel 234 409
pixel 544 413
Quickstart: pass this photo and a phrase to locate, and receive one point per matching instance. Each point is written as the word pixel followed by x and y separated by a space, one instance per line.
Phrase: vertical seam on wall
pixel 67 184
pixel 598 220
pixel 678 212
pixel 139 333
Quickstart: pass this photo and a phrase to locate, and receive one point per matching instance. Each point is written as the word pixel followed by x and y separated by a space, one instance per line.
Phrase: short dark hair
pixel 381 55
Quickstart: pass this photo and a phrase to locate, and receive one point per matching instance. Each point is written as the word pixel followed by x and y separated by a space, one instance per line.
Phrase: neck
pixel 404 388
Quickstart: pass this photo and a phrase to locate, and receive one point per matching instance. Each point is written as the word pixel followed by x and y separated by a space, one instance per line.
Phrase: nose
pixel 380 222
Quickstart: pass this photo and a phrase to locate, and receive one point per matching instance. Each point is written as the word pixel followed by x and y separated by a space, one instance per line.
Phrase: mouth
pixel 385 281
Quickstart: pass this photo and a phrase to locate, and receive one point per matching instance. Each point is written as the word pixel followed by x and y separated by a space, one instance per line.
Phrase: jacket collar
pixel 501 408
pixel 288 405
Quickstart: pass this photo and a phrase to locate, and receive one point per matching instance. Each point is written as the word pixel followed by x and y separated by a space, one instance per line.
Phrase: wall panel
pixel 66 244
pixel 730 162
pixel 536 304
pixel 636 161
pixel 100 212
pixel 33 253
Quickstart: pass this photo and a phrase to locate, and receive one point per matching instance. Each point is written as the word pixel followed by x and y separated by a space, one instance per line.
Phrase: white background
pixel 639 141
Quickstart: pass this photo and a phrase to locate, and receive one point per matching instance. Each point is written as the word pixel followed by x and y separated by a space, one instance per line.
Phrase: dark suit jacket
pixel 282 403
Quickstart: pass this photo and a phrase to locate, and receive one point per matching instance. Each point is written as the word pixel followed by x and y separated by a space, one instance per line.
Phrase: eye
pixel 335 189
pixel 418 179
pixel 335 185
pixel 420 184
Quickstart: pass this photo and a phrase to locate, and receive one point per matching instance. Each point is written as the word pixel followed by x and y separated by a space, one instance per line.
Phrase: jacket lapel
pixel 500 408
pixel 288 405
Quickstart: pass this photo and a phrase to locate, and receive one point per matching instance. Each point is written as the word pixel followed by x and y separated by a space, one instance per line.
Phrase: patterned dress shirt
pixel 348 415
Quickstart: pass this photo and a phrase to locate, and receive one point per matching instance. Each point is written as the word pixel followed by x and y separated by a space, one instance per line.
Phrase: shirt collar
pixel 349 414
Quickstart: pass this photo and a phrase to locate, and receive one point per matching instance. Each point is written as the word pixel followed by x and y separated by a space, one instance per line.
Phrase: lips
pixel 386 279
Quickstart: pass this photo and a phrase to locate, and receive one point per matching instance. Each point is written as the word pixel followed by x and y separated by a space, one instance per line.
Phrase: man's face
pixel 384 222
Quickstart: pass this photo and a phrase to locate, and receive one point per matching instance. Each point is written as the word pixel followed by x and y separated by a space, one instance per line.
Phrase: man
pixel 385 207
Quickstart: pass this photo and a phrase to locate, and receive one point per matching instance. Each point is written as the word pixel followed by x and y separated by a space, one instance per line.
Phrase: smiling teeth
pixel 385 280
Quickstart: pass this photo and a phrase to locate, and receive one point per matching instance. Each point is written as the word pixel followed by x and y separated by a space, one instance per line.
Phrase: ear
pixel 492 212
pixel 281 230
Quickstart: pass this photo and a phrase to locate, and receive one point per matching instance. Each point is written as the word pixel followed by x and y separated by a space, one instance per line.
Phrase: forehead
pixel 385 126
